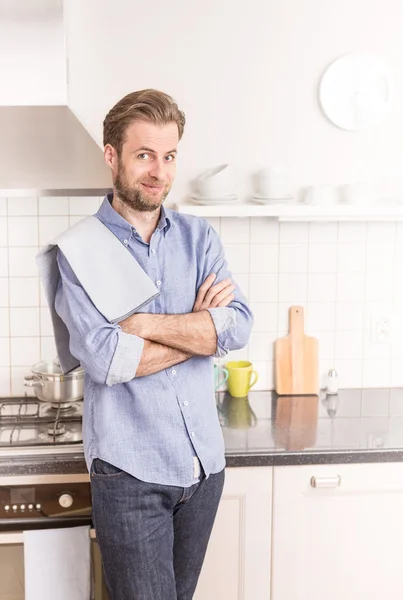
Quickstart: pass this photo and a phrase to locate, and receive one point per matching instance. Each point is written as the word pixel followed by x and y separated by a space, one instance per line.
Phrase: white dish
pixel 264 197
pixel 217 182
pixel 215 201
pixel 263 200
pixel 355 91
pixel 227 197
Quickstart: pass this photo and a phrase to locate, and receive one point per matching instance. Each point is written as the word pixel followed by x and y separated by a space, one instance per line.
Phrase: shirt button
pixel 126 242
pixel 185 403
pixel 173 372
pixel 158 282
pixel 153 250
pixel 193 433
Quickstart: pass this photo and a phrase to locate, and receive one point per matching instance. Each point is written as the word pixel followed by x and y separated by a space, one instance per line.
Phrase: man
pixel 152 439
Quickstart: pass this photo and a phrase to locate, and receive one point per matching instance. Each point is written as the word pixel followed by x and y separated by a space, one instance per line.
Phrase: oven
pixel 30 502
pixel 44 484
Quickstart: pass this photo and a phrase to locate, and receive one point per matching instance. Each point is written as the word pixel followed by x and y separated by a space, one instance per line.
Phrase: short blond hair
pixel 145 105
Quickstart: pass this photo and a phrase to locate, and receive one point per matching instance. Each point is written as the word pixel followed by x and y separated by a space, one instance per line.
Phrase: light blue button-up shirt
pixel 153 426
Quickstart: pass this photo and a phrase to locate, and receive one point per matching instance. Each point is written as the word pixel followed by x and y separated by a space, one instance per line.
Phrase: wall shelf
pixel 296 212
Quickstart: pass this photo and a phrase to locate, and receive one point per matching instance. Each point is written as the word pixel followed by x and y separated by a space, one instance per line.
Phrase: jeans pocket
pixel 100 468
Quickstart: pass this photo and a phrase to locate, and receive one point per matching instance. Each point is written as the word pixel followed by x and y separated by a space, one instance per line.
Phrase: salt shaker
pixel 332 382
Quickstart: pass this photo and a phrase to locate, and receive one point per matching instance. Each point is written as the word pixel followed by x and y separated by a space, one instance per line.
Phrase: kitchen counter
pixel 355 426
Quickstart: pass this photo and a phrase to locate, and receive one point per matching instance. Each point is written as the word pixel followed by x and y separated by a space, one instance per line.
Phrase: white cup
pixel 360 194
pixel 217 182
pixel 322 194
pixel 273 182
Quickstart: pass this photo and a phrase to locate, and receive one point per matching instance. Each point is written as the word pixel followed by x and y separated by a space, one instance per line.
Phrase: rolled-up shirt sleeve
pixel 233 323
pixel 107 354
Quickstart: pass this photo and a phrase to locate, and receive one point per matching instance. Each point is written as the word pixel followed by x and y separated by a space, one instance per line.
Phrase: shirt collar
pixel 122 228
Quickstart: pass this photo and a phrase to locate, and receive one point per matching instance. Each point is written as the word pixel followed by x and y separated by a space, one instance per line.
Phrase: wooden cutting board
pixel 297 359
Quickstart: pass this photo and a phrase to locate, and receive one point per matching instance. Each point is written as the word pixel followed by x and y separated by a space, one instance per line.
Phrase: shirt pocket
pixel 178 294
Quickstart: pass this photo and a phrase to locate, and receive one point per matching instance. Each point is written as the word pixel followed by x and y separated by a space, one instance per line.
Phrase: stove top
pixel 28 422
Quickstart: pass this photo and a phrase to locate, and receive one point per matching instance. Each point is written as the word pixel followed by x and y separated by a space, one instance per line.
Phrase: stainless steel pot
pixel 51 385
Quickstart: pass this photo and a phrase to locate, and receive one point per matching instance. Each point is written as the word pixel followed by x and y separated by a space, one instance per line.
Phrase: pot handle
pixel 31 381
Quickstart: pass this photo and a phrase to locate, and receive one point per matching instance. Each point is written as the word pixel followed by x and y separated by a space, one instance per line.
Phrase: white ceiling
pixel 22 10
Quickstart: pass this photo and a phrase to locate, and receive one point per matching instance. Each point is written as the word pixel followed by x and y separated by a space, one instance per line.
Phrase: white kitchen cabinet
pixel 237 564
pixel 344 541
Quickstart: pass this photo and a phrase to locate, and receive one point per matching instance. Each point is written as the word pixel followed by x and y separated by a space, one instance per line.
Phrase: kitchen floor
pixel 11 573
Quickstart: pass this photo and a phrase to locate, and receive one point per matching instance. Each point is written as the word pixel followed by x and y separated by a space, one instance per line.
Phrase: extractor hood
pixel 45 151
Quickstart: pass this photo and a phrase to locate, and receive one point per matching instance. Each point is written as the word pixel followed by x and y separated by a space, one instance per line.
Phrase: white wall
pixel 246 74
pixel 26 334
pixel 341 273
pixel 32 57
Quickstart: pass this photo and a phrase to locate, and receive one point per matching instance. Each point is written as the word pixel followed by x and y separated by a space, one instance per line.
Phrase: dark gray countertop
pixel 356 426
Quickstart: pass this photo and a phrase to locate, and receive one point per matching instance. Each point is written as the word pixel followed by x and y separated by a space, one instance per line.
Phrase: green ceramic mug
pixel 220 376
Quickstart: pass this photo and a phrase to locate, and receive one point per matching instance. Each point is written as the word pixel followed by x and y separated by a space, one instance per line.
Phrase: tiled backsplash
pixel 342 273
pixel 26 224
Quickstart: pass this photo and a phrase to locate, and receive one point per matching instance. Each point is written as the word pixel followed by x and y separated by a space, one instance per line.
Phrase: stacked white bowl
pixel 273 185
pixel 216 186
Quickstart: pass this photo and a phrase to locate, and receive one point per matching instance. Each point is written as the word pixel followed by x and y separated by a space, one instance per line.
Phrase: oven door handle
pixel 17 537
pixel 19 524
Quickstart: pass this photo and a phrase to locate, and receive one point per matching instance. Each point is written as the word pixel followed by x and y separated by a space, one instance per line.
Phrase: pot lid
pixel 52 367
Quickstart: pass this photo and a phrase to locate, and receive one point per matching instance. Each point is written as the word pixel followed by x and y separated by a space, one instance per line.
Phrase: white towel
pixel 110 275
pixel 57 564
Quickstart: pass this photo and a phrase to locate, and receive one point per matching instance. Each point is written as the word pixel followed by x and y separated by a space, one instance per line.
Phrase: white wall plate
pixel 355 91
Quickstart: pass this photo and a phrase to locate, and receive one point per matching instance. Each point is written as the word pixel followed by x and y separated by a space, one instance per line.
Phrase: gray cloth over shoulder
pixel 110 275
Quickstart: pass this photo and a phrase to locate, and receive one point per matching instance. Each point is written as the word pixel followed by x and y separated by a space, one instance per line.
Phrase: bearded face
pixel 146 166
pixel 144 194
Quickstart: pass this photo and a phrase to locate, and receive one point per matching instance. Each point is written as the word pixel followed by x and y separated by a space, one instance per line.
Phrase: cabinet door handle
pixel 326 482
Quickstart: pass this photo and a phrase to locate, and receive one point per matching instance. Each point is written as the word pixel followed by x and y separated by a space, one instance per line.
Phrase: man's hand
pixel 211 296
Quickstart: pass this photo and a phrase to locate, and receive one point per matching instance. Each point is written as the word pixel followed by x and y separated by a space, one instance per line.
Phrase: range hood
pixel 45 151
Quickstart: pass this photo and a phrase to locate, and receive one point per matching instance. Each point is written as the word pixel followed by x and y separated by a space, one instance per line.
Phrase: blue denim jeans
pixel 153 538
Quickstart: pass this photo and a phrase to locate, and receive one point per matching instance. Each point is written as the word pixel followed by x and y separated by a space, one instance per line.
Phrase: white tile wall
pixel 4 293
pixel 293 258
pixel 3 232
pixel 341 273
pixel 22 231
pixel 83 205
pixel 51 227
pixel 53 206
pixel 26 337
pixel 4 262
pixel 264 258
pixel 21 262
pixel 4 322
pixel 322 258
pixel 23 207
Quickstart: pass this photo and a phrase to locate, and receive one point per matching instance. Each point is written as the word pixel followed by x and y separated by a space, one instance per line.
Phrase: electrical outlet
pixel 381 330
pixel 377 440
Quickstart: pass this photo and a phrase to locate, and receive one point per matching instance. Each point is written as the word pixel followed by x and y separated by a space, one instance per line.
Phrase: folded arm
pixel 216 327
pixel 233 323
pixel 156 357
pixel 147 343
pixel 107 354
pixel 192 333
